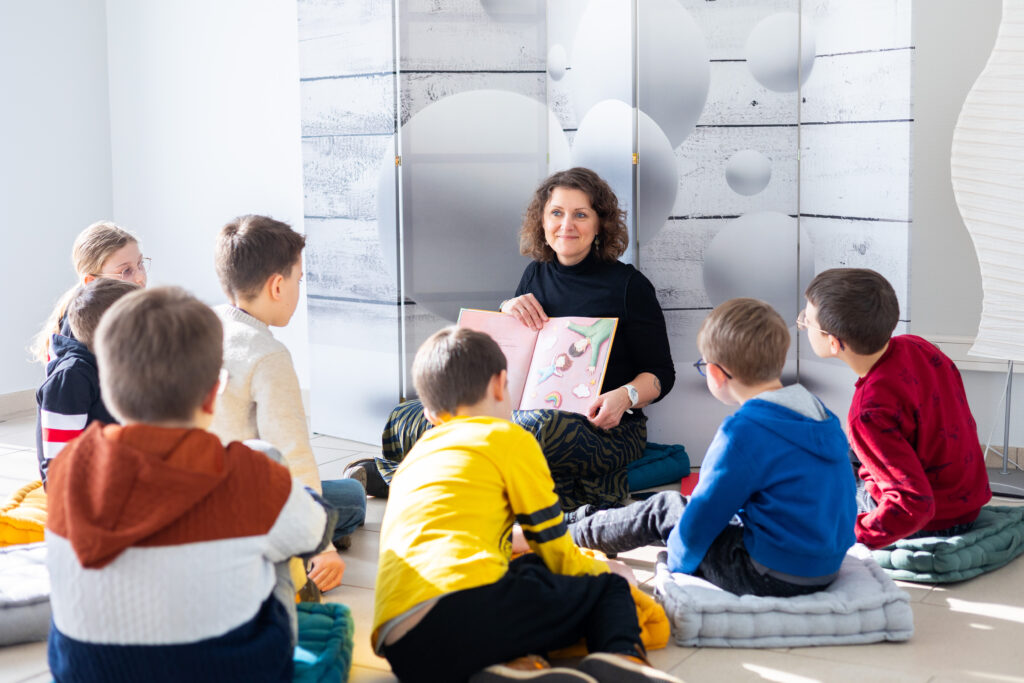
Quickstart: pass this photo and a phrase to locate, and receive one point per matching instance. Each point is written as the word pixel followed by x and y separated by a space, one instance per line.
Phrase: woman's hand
pixel 526 310
pixel 607 409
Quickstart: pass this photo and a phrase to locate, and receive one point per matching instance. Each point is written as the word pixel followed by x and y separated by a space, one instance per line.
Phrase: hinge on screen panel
pixel 636 158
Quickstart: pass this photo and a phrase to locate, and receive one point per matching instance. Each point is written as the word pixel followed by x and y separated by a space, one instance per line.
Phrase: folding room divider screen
pixel 752 143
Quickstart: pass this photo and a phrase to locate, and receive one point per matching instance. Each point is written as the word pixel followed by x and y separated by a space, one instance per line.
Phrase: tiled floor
pixel 967 632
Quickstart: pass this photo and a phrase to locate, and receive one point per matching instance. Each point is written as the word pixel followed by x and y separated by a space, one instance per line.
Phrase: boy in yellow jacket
pixel 450 605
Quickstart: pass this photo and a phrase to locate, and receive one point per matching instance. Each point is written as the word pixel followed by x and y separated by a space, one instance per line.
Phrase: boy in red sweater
pixel 922 470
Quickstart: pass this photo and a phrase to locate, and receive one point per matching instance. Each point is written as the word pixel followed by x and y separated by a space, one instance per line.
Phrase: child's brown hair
pixel 855 305
pixel 252 248
pixel 453 368
pixel 90 302
pixel 159 353
pixel 747 337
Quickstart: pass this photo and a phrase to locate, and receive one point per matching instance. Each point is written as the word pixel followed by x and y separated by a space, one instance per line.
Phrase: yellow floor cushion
pixel 23 516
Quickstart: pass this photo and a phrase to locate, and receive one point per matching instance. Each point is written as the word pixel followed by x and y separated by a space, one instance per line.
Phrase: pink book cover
pixel 562 366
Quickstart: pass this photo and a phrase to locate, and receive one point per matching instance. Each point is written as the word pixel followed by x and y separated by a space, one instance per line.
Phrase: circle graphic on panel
pixel 771 55
pixel 470 163
pixel 604 143
pixel 557 61
pixel 755 255
pixel 748 172
pixel 673 60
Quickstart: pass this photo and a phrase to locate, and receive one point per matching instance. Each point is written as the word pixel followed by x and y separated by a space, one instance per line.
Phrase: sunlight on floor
pixel 769 674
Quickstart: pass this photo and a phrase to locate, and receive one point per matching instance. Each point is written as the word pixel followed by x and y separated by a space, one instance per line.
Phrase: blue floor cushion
pixel 996 538
pixel 660 464
pixel 862 605
pixel 324 652
pixel 24 594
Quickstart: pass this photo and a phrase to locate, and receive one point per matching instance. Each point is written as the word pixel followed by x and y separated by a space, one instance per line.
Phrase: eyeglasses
pixel 700 364
pixel 801 323
pixel 129 273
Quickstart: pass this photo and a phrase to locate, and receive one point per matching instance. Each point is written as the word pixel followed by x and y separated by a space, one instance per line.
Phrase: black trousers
pixel 530 610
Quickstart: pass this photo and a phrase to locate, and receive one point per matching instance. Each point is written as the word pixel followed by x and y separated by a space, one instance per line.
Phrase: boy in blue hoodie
pixel 774 509
pixel 69 399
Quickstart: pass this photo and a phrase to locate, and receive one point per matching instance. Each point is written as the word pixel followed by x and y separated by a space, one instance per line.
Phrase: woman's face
pixel 570 224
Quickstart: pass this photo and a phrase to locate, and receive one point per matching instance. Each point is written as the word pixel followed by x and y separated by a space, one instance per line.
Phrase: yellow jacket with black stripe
pixel 448 523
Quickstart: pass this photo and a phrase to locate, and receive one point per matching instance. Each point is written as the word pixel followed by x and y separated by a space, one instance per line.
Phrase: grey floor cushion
pixel 24 594
pixel 996 538
pixel 862 605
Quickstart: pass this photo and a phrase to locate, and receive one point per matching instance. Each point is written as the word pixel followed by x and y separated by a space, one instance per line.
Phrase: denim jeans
pixel 349 499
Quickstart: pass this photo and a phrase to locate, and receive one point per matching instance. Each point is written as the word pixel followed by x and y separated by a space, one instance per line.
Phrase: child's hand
pixel 519 544
pixel 325 570
pixel 623 570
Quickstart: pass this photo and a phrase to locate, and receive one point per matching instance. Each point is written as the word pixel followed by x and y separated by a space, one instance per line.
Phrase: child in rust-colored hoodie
pixel 162 543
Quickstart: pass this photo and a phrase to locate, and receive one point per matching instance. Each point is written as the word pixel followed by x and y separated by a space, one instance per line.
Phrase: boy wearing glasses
pixel 773 511
pixel 259 263
pixel 922 471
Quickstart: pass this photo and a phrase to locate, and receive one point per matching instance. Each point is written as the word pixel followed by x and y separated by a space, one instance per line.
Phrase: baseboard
pixel 17 402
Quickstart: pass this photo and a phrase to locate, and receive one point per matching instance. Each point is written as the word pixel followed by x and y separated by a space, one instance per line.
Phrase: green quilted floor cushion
pixel 324 652
pixel 997 538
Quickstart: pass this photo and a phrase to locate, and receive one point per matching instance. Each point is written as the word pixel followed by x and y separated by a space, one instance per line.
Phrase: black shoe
pixel 611 668
pixel 375 484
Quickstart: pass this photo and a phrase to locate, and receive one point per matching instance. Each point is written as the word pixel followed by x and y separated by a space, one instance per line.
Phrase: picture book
pixel 560 366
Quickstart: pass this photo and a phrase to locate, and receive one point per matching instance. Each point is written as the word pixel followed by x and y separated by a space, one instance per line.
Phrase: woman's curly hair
pixel 612 233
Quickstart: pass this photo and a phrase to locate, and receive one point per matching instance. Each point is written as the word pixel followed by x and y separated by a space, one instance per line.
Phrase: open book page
pixel 560 367
pixel 516 340
pixel 569 362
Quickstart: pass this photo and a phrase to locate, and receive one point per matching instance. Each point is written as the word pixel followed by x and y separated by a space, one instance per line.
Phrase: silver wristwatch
pixel 634 395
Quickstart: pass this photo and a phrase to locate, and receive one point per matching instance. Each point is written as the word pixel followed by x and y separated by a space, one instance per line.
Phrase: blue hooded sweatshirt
pixel 789 479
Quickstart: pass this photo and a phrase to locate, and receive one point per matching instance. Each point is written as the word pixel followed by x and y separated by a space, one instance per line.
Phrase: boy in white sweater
pixel 259 263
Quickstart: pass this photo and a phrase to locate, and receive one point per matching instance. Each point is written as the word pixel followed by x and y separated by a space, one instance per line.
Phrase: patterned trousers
pixel 588 464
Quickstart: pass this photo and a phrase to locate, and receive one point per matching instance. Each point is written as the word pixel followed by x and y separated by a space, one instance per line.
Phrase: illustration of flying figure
pixel 593 336
pixel 560 363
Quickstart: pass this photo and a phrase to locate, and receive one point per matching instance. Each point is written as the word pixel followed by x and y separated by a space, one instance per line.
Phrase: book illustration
pixel 554 399
pixel 594 336
pixel 561 366
pixel 561 363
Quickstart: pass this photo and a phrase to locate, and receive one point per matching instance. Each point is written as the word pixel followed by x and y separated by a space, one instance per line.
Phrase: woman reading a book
pixel 575 233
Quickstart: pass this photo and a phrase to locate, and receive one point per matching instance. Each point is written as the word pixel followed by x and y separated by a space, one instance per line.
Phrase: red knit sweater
pixel 917 442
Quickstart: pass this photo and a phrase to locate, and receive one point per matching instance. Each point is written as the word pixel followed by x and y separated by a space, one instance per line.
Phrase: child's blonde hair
pixel 92 248
pixel 748 337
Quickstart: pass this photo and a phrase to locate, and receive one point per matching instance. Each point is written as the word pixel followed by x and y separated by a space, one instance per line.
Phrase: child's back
pixel 162 543
pixel 449 518
pixel 161 550
pixel 781 464
pixel 918 443
pixel 922 469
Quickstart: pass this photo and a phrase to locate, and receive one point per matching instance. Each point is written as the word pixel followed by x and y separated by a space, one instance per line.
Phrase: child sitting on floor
pixel 778 465
pixel 162 543
pixel 449 603
pixel 259 263
pixel 922 472
pixel 69 399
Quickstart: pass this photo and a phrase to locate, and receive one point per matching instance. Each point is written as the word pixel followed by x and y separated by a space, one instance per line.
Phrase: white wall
pixel 204 103
pixel 953 39
pixel 54 162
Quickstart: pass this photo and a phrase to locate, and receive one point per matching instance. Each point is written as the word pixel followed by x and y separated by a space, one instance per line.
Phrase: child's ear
pixel 835 345
pixel 431 416
pixel 716 375
pixel 210 400
pixel 86 279
pixel 499 386
pixel 274 283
